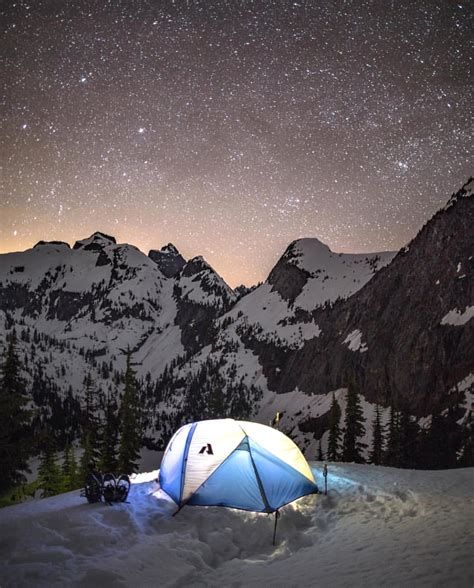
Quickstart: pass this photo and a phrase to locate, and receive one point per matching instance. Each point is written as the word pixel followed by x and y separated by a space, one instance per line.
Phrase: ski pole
pixel 325 474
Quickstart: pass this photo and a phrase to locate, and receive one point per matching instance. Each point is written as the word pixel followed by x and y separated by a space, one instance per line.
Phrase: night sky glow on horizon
pixel 231 128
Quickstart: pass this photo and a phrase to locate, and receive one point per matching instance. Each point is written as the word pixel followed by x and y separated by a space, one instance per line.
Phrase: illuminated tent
pixel 237 464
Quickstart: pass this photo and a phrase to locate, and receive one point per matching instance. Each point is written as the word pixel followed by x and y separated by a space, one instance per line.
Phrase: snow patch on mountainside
pixel 274 320
pixel 354 341
pixel 466 386
pixel 458 318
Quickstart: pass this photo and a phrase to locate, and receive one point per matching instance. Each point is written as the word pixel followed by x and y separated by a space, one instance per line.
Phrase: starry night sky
pixel 232 127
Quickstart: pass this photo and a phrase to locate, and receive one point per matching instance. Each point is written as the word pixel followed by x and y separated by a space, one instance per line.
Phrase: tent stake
pixel 277 516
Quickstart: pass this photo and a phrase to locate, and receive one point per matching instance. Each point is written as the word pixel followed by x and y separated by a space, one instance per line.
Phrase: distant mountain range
pixel 399 323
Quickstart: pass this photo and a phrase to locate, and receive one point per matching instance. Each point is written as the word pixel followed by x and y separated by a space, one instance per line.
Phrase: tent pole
pixel 277 516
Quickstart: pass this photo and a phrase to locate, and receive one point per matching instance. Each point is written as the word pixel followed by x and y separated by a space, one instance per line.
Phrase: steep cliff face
pixel 407 334
pixel 201 296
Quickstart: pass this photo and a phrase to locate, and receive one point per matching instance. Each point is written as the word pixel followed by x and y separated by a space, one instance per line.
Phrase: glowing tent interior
pixel 236 464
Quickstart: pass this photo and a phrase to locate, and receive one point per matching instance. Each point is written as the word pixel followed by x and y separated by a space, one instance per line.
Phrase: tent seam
pixel 185 459
pixel 259 481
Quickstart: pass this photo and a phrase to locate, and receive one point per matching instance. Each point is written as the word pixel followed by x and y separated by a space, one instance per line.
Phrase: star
pixel 234 130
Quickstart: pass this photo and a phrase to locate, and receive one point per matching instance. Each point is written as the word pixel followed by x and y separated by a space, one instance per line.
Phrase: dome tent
pixel 237 464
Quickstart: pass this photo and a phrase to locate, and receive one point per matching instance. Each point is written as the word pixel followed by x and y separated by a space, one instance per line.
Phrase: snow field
pixel 377 526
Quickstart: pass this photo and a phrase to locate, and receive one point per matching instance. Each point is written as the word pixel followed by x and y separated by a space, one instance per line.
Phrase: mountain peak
pixel 196 265
pixel 168 259
pixel 170 248
pixel 465 191
pixel 61 243
pixel 95 241
pixel 308 247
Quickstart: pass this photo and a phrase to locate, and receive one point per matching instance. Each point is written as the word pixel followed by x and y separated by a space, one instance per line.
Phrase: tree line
pixel 110 435
pixel 401 442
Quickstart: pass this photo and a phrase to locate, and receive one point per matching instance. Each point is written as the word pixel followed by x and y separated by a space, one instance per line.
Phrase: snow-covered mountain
pixel 376 527
pixel 399 324
pixel 403 332
pixel 407 335
pixel 77 310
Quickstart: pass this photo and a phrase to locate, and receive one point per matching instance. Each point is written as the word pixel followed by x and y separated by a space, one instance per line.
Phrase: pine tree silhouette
pixel 14 419
pixel 108 438
pixel 439 448
pixel 69 470
pixel 392 451
pixel 49 472
pixel 130 440
pixel 320 452
pixel 90 438
pixel 466 458
pixel 409 440
pixel 376 453
pixel 334 430
pixel 352 447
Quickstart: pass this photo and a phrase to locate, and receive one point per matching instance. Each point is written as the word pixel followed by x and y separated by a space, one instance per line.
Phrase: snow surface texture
pixel 377 526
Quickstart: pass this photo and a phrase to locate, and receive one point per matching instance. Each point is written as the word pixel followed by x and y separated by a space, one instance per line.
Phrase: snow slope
pixel 377 526
pixel 331 275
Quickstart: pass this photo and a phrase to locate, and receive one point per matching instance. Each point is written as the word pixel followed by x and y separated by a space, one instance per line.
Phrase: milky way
pixel 231 128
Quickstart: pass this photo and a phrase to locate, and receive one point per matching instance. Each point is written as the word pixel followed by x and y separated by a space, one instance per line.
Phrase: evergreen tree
pixel 334 430
pixel 49 472
pixel 130 440
pixel 376 453
pixel 69 470
pixel 439 448
pixel 320 452
pixel 90 426
pixel 14 420
pixel 392 452
pixel 108 438
pixel 466 458
pixel 88 459
pixel 409 440
pixel 353 427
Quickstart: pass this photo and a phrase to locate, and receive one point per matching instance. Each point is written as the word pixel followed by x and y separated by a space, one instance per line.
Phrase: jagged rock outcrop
pixel 168 259
pixel 95 241
pixel 201 296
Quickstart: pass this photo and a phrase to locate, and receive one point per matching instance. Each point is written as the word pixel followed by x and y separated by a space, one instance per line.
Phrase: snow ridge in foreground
pixel 376 526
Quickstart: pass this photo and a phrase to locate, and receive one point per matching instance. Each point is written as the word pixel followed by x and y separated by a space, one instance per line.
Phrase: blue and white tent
pixel 237 464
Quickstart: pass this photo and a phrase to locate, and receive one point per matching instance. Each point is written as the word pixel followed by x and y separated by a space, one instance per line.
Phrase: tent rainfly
pixel 236 464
